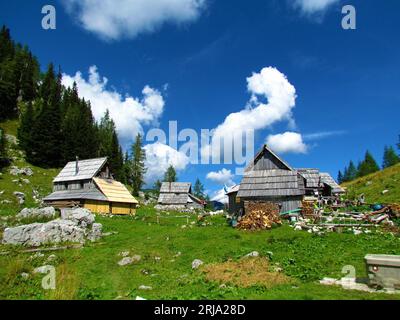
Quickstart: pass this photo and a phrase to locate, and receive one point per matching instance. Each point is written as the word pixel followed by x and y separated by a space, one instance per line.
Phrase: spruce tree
pixel 108 146
pixel 25 129
pixel 198 189
pixel 340 177
pixel 138 169
pixel 170 175
pixel 368 166
pixel 352 172
pixel 390 158
pixel 116 158
pixel 345 175
pixel 8 100
pixel 7 46
pixel 47 140
pixel 78 127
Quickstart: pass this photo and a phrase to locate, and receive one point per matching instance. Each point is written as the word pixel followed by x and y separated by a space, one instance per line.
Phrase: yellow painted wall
pixel 97 206
pixel 116 208
pixel 123 208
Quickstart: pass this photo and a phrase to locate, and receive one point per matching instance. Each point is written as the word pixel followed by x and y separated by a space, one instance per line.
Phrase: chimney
pixel 77 166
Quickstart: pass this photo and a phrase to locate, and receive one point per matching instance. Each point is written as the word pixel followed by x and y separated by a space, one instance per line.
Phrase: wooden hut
pixel 90 184
pixel 331 187
pixel 313 183
pixel 234 201
pixel 270 179
pixel 177 195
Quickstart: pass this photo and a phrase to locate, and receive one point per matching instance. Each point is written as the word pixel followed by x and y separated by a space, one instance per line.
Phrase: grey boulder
pixel 47 213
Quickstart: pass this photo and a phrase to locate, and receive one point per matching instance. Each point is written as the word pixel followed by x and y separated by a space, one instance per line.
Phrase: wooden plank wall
pixel 97 206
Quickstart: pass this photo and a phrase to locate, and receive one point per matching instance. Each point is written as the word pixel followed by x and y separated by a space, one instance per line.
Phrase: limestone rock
pixel 79 216
pixel 253 254
pixel 196 264
pixel 47 213
pixel 37 234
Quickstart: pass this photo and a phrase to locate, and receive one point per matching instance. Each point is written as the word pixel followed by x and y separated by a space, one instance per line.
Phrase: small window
pixel 82 185
pixel 66 186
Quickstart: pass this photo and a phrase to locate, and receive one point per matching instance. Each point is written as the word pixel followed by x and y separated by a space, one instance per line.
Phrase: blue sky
pixel 195 57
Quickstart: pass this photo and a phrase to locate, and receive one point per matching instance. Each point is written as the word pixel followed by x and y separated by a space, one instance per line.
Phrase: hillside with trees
pixel 56 125
pixel 369 165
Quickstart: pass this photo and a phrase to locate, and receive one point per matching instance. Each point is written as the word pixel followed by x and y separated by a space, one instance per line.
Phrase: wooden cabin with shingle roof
pixel 331 187
pixel 90 184
pixel 178 195
pixel 270 179
pixel 313 183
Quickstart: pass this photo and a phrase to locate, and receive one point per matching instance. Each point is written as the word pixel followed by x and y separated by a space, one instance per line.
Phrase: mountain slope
pixel 383 186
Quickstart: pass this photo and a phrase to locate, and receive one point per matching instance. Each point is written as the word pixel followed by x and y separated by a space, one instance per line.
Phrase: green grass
pixel 373 185
pixel 92 272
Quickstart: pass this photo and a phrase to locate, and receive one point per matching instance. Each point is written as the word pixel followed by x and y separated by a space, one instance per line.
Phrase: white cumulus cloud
pixel 220 196
pixel 113 20
pixel 159 157
pixel 314 6
pixel 270 85
pixel 129 113
pixel 221 177
pixel 288 142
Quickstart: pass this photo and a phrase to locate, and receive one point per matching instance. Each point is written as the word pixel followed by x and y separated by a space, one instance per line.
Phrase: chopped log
pixel 259 216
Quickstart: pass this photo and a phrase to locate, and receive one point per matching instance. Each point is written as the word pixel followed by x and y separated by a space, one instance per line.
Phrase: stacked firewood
pixel 395 209
pixel 259 216
pixel 307 209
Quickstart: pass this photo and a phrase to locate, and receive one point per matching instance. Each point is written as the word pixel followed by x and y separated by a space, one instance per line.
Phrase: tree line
pixel 55 124
pixel 369 165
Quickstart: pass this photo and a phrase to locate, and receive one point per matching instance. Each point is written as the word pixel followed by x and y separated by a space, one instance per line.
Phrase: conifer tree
pixel 340 177
pixel 138 169
pixel 25 129
pixel 198 189
pixel 368 165
pixel 345 177
pixel 46 137
pixel 108 146
pixel 8 101
pixel 352 172
pixel 170 175
pixel 390 158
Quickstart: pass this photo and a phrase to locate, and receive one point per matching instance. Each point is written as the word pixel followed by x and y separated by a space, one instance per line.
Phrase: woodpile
pixel 307 209
pixel 395 209
pixel 259 216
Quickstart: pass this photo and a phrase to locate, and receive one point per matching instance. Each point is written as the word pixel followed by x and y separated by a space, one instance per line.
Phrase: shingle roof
pixel 271 183
pixel 312 177
pixel 234 189
pixel 82 194
pixel 87 169
pixel 174 199
pixel 175 187
pixel 115 191
pixel 327 179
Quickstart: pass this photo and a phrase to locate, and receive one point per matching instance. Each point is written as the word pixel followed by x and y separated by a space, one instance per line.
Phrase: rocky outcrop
pixel 36 213
pixel 15 171
pixel 76 227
